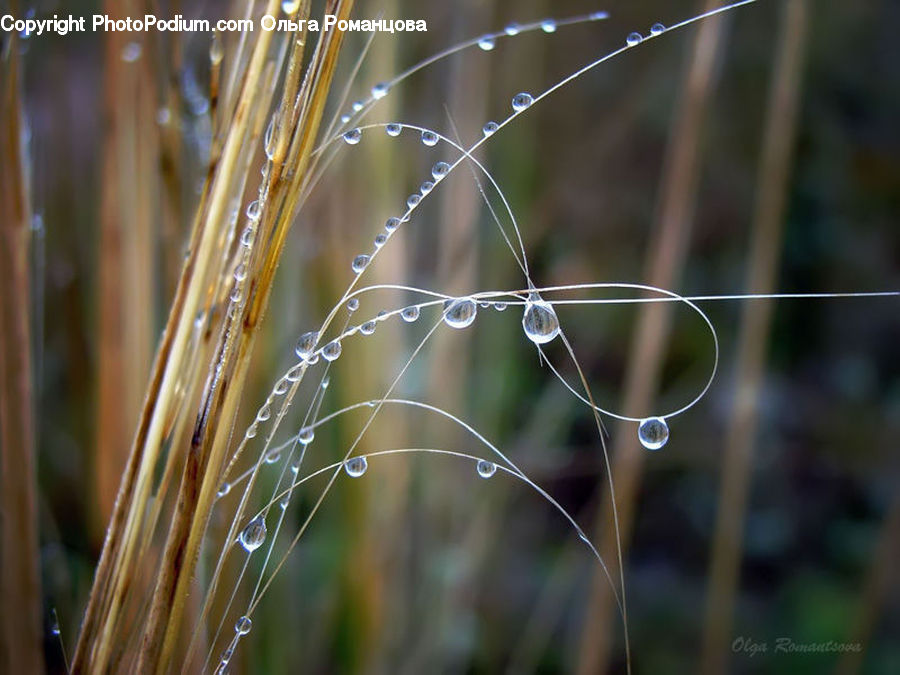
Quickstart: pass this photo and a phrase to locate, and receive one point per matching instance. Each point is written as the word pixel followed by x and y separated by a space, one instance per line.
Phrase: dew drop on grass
pixel 356 466
pixel 490 128
pixel 393 129
pixel 357 106
pixel 657 29
pixel 253 209
pixel 413 200
pixel 332 350
pixel 410 314
pixel 426 187
pixel 599 16
pixel 367 328
pixel 352 305
pixel 512 29
pixel 273 456
pixel 253 536
pixel 500 306
pixel 485 468
pixel 306 345
pixel 240 272
pixel 247 236
pixel 439 170
pixel 539 321
pixel 281 386
pixel 522 101
pixel 548 26
pixel 360 263
pixel 429 138
pixel 243 625
pixel 392 224
pixel 216 51
pixel 264 413
pixel 345 118
pixel 269 139
pixel 487 43
pixel 460 313
pixel 251 431
pixel 352 137
pixel 223 490
pixel 294 373
pixel 633 39
pixel 653 433
pixel 380 239
pixel 306 435
pixel 290 6
pixel 380 90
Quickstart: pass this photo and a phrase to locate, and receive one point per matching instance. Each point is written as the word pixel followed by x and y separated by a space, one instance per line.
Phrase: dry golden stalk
pixel 20 641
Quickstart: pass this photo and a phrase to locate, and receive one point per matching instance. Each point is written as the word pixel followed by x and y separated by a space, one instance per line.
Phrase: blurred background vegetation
pixel 680 163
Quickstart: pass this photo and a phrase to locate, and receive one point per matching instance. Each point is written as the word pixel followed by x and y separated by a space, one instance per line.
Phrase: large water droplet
pixel 393 129
pixel 490 128
pixel 429 138
pixel 512 29
pixel 247 236
pixel 281 386
pixel 243 625
pixel 253 536
pixel 460 313
pixel 487 43
pixel 306 435
pixel 352 305
pixel 426 187
pixel 264 413
pixel 548 26
pixel 413 200
pixel 633 39
pixel 439 170
pixel 521 101
pixel 380 90
pixel 253 209
pixel 332 350
pixel 485 468
pixel 657 29
pixel 380 239
pixel 392 224
pixel 539 321
pixel 410 314
pixel 352 137
pixel 273 456
pixel 306 345
pixel 367 328
pixel 356 466
pixel 653 433
pixel 360 262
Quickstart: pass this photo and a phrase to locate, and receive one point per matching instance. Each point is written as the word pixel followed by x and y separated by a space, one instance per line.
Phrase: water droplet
pixel 484 304
pixel 382 314
pixel 460 313
pixel 352 305
pixel 356 466
pixel 512 29
pixel 306 435
pixel 393 129
pixel 281 386
pixel 367 328
pixel 490 128
pixel 294 374
pixel 306 345
pixel 539 320
pixel 657 29
pixel 500 306
pixel 253 210
pixel 264 413
pixel 131 52
pixel 599 16
pixel 253 536
pixel 290 6
pixel 360 263
pixel 426 187
pixel 269 139
pixel 392 224
pixel 429 138
pixel 273 456
pixel 380 239
pixel 485 468
pixel 439 170
pixel 223 490
pixel 633 39
pixel 216 50
pixel 410 314
pixel 487 43
pixel 352 137
pixel 413 200
pixel 325 382
pixel 332 350
pixel 521 101
pixel 345 118
pixel 380 90
pixel 653 433
pixel 243 625
pixel 240 272
pixel 251 431
pixel 226 657
pixel 247 236
pixel 548 26
pixel 54 624
pixel 235 294
pixel 285 502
